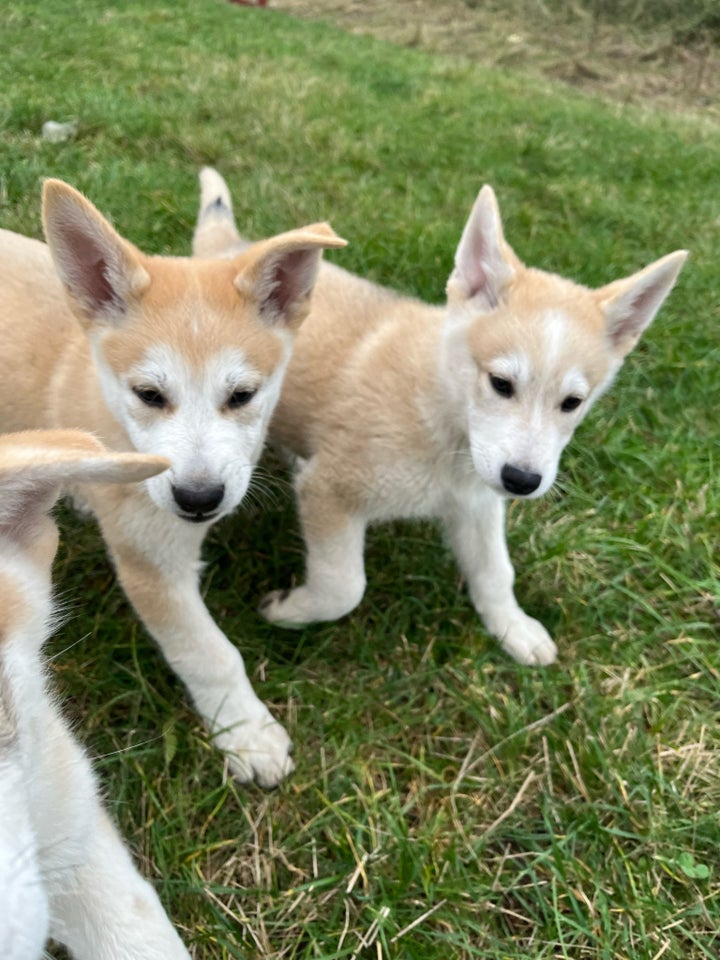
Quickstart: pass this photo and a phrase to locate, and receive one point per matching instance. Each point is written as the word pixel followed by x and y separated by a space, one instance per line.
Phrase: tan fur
pixel 534 293
pixel 192 304
pixel 360 337
pixel 198 311
pixel 178 356
pixel 399 409
pixel 13 607
pixel 362 345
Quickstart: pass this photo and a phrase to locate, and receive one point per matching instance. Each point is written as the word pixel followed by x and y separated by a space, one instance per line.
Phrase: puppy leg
pixel 334 565
pixel 157 560
pixel 478 541
pixel 24 907
pixel 104 910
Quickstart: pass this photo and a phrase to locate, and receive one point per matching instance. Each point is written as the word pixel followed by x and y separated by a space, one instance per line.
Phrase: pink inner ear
pixel 89 271
pixel 289 281
pixel 472 252
pixel 633 313
pixel 477 278
pixel 481 262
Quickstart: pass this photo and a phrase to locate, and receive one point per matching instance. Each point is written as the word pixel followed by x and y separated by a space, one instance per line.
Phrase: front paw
pixel 257 749
pixel 304 605
pixel 282 608
pixel 527 641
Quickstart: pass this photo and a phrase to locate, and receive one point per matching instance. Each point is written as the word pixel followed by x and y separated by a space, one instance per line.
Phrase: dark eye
pixel 150 397
pixel 238 398
pixel 502 386
pixel 570 403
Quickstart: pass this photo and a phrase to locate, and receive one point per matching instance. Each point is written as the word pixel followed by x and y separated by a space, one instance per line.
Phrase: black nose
pixel 199 500
pixel 520 482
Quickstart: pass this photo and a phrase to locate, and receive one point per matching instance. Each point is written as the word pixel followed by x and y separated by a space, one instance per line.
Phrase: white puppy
pixel 64 871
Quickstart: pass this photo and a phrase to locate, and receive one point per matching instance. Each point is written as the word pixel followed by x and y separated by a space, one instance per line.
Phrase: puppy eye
pixel 150 397
pixel 502 386
pixel 570 403
pixel 239 398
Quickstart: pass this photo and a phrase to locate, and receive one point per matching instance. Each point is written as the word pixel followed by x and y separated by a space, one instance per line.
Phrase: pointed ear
pixel 34 465
pixel 484 263
pixel 630 305
pixel 280 273
pixel 101 272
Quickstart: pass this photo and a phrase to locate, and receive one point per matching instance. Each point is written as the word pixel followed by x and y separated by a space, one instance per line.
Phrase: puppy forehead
pixel 164 364
pixel 194 308
pixel 558 330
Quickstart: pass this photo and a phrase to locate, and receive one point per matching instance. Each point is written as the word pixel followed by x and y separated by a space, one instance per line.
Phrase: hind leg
pixel 334 564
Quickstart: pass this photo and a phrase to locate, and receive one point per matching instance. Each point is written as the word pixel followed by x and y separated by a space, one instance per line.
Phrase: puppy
pixel 174 356
pixel 64 870
pixel 399 409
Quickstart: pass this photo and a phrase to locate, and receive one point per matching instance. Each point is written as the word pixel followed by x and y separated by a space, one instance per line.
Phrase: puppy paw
pixel 258 749
pixel 281 607
pixel 527 641
pixel 299 607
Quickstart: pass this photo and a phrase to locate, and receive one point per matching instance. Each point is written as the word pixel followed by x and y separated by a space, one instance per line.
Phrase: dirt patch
pixel 661 68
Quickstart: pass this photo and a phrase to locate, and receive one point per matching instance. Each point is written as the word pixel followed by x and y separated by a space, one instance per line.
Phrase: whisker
pixel 70 646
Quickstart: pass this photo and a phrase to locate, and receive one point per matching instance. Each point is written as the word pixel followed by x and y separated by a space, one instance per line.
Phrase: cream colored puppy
pixel 173 356
pixel 64 870
pixel 399 409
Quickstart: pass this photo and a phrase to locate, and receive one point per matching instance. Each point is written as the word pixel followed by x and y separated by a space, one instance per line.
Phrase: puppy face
pixel 526 353
pixel 193 374
pixel 190 354
pixel 525 377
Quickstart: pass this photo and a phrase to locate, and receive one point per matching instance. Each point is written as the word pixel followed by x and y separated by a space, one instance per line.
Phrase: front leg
pixel 334 545
pixel 477 538
pixel 157 560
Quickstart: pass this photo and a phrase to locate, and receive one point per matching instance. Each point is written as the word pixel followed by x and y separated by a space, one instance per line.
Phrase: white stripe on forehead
pixel 555 335
pixel 556 340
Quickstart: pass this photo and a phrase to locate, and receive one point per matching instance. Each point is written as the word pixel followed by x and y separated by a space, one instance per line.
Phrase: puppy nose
pixel 199 500
pixel 519 482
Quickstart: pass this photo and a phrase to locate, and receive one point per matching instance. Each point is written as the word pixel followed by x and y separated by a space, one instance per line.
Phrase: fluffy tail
pixel 215 232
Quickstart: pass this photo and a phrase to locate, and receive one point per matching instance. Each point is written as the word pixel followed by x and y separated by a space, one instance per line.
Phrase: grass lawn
pixel 448 803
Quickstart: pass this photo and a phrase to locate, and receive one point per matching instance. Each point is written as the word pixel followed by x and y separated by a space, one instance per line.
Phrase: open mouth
pixel 198 517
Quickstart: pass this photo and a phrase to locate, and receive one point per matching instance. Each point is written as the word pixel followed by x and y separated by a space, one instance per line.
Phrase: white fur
pixel 528 430
pixel 513 366
pixel 97 333
pixel 206 443
pixel 401 410
pixel 432 375
pixel 64 871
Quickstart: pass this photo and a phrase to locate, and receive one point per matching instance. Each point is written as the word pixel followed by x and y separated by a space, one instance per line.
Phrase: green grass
pixel 624 12
pixel 448 803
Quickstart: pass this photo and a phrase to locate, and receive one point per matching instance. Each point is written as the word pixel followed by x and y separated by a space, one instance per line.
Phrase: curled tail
pixel 216 234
